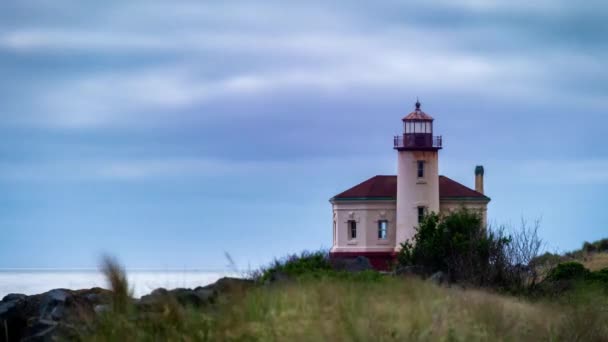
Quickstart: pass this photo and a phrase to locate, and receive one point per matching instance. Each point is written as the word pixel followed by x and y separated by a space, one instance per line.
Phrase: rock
pixel 95 295
pixel 5 307
pixel 58 312
pixel 59 295
pixel 227 285
pixel 52 304
pixel 101 308
pixel 46 316
pixel 41 330
pixel 186 297
pixel 153 297
pixel 159 292
pixel 438 278
pixel 13 297
pixel 409 270
pixel 13 320
pixel 207 295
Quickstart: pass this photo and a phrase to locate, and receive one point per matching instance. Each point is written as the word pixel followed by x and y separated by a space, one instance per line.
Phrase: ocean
pixel 142 282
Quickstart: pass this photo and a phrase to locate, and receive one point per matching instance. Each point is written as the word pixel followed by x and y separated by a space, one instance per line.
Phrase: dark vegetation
pixel 314 265
pixel 470 254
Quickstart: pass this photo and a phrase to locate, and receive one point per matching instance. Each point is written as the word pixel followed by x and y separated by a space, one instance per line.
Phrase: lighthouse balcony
pixel 417 141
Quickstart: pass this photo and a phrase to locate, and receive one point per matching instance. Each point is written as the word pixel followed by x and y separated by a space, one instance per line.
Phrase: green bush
pixel 568 271
pixel 589 247
pixel 296 265
pixel 546 259
pixel 602 245
pixel 599 276
pixel 458 245
pixel 310 265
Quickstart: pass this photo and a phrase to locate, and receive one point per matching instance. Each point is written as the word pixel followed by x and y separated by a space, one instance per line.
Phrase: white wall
pixel 366 214
pixel 413 192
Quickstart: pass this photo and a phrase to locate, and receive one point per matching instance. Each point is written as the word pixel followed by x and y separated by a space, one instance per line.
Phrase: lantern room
pixel 417 132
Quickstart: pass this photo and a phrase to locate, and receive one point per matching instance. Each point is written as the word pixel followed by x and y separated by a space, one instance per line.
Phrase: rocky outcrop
pixel 439 278
pixel 62 312
pixel 185 297
pixel 198 297
pixel 39 317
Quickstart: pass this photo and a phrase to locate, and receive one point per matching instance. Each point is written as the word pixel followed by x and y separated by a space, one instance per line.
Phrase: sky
pixel 171 133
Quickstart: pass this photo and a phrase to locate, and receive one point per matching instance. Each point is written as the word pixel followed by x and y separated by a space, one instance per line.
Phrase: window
pixel 421 213
pixel 334 232
pixel 420 164
pixel 352 229
pixel 383 229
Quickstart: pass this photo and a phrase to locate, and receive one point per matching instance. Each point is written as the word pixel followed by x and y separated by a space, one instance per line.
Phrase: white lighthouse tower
pixel 417 173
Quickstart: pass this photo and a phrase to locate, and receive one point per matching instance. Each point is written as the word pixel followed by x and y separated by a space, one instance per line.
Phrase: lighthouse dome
pixel 418 114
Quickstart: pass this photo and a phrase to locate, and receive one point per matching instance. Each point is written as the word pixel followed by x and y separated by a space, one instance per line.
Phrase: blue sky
pixel 168 133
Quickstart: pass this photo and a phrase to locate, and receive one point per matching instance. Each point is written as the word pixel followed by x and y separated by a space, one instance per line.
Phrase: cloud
pixel 171 168
pixel 108 98
pixel 170 58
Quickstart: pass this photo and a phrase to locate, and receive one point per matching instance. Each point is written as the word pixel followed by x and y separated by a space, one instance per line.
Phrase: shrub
pixel 568 271
pixel 458 245
pixel 600 276
pixel 589 247
pixel 602 245
pixel 547 258
pixel 295 265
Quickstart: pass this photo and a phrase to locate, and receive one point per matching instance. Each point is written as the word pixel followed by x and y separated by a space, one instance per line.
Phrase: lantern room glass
pixel 418 127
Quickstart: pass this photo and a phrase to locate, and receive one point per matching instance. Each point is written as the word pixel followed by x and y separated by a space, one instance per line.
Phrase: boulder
pixel 101 308
pixel 14 297
pixel 52 304
pixel 41 330
pixel 6 307
pixel 207 295
pixel 186 297
pixel 155 298
pixel 95 296
pixel 227 285
pixel 37 317
pixel 13 319
pixel 438 278
pixel 409 270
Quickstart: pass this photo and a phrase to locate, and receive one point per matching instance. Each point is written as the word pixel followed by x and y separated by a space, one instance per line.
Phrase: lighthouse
pixel 417 172
pixel 373 218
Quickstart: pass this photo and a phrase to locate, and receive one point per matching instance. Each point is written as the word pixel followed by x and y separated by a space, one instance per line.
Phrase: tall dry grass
pixel 595 261
pixel 389 309
pixel 116 277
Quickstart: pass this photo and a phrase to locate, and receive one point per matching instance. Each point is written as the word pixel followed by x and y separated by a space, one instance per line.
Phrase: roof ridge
pixel 462 185
pixel 385 186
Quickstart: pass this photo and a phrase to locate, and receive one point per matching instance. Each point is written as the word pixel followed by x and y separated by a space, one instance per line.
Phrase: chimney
pixel 479 178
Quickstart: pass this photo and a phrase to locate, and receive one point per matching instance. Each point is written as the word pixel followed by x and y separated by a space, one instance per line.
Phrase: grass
pixel 361 309
pixel 595 261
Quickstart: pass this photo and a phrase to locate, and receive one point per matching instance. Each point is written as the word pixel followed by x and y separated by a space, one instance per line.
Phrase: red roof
pixel 385 187
pixel 418 115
